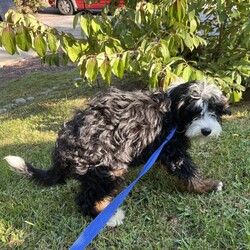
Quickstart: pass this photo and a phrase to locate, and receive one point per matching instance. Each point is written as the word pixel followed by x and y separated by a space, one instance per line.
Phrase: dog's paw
pixel 219 187
pixel 117 218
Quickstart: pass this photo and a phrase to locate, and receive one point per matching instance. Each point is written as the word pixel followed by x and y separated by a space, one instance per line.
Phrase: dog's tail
pixel 47 177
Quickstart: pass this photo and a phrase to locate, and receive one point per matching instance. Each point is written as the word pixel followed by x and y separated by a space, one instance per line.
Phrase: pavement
pixel 51 17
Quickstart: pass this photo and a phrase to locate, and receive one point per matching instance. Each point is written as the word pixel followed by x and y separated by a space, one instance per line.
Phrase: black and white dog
pixel 121 129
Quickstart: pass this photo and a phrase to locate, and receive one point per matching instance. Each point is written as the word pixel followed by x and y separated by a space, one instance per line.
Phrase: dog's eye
pixel 220 108
pixel 223 111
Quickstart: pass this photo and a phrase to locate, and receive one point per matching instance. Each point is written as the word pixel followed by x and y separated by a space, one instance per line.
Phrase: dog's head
pixel 197 108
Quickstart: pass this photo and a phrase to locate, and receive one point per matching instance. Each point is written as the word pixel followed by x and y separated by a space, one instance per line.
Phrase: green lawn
pixel 157 215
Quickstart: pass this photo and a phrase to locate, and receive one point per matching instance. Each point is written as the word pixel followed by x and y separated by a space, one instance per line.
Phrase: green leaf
pixel 76 18
pixel 9 15
pixel 23 38
pixel 174 60
pixel 106 71
pixel 48 59
pixel 138 18
pixel 135 67
pixel 55 59
pixel 164 50
pixel 109 48
pixel 238 79
pixel 196 41
pixel 153 81
pixel 52 42
pixel 91 69
pixel 40 45
pixel 8 40
pixel 152 70
pixel 72 48
pixel 17 17
pixel 95 24
pixel 82 66
pixel 187 73
pixel 165 82
pixel 199 75
pixel 191 14
pixel 150 8
pixel 100 59
pixel 179 69
pixel 84 22
pixel 126 59
pixel 236 96
pixel 189 41
pixel 193 25
pixel 179 10
pixel 202 41
pixel 64 59
pixel 118 67
pixel 222 16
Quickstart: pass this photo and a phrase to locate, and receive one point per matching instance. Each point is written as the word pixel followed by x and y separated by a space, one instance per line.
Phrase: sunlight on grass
pixel 10 236
pixel 238 115
pixel 23 131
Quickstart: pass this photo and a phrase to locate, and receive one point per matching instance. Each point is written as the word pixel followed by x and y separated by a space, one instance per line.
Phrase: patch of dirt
pixel 27 66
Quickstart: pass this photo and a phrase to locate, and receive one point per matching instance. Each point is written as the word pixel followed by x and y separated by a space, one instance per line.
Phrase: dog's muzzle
pixel 204 129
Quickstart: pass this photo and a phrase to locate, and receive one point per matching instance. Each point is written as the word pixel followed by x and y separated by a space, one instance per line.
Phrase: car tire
pixel 65 7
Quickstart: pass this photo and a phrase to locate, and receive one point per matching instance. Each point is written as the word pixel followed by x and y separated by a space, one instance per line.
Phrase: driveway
pixel 53 18
pixel 50 17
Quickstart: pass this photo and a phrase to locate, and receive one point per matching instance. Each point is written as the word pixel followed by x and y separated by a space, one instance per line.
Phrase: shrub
pixel 161 40
pixel 29 6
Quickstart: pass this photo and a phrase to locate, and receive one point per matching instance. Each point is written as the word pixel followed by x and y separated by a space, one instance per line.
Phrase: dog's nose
pixel 206 131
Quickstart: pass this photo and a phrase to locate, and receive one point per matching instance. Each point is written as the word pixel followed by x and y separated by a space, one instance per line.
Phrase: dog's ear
pixel 226 111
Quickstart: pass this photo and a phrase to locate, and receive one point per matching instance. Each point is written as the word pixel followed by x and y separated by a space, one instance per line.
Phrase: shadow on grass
pixel 40 209
pixel 28 198
pixel 40 155
pixel 58 105
pixel 156 183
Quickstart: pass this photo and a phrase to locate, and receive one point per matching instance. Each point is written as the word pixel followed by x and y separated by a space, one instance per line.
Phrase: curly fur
pixel 119 126
pixel 121 129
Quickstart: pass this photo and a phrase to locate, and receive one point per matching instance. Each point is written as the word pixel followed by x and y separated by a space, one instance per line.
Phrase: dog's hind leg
pixel 98 186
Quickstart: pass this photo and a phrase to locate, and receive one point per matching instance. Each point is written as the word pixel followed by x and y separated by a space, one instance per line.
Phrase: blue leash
pixel 101 220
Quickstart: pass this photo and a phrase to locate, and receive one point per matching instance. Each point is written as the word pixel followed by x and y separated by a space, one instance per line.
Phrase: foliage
pixel 158 39
pixel 29 6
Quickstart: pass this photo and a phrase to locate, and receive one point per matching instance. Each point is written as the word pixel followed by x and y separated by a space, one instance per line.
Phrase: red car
pixel 69 7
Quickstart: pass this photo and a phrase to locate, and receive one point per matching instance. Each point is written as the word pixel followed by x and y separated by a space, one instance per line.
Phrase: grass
pixel 158 216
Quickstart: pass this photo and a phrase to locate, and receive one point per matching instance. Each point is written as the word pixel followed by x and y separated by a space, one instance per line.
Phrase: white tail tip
pixel 16 163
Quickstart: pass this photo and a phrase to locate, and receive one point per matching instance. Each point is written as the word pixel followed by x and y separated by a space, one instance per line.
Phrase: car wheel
pixel 65 7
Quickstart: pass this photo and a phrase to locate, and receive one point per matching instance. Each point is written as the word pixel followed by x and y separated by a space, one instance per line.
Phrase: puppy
pixel 121 129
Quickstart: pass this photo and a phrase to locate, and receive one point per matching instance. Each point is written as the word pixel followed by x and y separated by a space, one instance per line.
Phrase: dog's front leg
pixel 200 185
pixel 191 180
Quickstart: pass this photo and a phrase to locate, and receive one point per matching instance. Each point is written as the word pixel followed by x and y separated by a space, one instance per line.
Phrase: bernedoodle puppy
pixel 121 129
